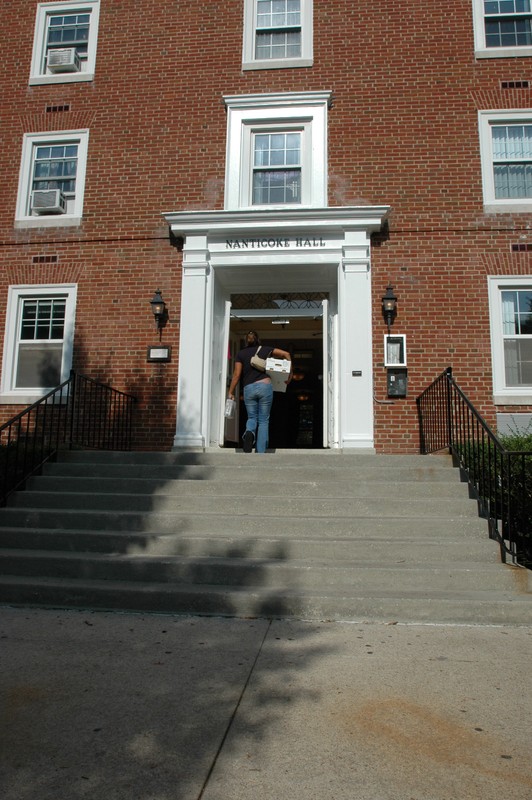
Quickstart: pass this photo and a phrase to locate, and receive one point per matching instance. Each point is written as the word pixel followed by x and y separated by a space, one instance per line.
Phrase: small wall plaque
pixel 395 351
pixel 159 353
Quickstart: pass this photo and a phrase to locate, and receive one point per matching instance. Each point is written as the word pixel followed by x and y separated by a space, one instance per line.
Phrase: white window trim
pixel 481 51
pixel 44 10
pixel 23 219
pixel 246 114
pixel 248 54
pixel 15 296
pixel 485 120
pixel 502 394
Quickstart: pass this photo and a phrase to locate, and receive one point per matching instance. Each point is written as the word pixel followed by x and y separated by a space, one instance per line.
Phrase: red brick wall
pixel 403 131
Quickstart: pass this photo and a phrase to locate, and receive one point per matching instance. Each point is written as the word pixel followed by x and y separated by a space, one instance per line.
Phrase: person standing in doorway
pixel 258 391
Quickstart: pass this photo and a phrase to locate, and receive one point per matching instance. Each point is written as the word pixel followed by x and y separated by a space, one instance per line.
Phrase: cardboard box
pixel 278 370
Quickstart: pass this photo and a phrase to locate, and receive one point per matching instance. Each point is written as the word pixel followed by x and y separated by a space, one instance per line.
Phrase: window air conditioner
pixel 48 201
pixel 64 60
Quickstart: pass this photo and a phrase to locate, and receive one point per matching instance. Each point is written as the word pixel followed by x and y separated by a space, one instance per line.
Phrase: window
pixel 506 153
pixel 502 28
pixel 511 336
pixel 64 47
pixel 38 340
pixel 277 33
pixel 52 179
pixel 276 168
pixel 276 150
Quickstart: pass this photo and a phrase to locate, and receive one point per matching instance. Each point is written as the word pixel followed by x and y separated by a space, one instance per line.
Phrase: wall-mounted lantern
pixel 158 307
pixel 389 306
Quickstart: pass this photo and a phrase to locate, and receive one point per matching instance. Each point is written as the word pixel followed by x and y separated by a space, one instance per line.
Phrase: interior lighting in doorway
pixel 280 322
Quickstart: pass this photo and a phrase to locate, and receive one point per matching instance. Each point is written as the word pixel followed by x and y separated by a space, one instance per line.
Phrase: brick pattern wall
pixel 403 131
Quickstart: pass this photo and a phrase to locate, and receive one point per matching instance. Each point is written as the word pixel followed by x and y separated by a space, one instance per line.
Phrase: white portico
pixel 320 250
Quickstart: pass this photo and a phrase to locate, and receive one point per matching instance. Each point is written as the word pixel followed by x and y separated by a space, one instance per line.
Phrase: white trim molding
pixel 486 121
pixel 502 393
pixel 482 49
pixel 74 211
pixel 15 299
pixel 305 112
pixel 316 249
pixel 39 73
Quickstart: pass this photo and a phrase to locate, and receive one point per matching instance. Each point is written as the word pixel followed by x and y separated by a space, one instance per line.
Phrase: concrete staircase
pixel 312 535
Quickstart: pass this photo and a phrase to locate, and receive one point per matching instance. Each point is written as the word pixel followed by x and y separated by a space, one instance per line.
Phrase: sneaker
pixel 247 441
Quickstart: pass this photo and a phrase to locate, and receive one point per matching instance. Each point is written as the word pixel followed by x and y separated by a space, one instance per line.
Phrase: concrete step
pixel 310 535
pixel 230 504
pixel 312 459
pixel 238 470
pixel 249 525
pixel 360 547
pixel 226 484
pixel 466 607
pixel 271 573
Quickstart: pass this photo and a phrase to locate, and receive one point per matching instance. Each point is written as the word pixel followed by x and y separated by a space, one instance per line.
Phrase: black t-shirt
pixel 249 373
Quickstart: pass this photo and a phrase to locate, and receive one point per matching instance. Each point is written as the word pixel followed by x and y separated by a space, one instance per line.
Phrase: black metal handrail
pixel 500 479
pixel 80 412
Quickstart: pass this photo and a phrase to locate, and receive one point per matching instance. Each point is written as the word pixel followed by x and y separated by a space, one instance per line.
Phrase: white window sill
pixel 504 52
pixel 512 399
pixel 65 77
pixel 278 63
pixel 51 221
pixel 508 207
pixel 19 399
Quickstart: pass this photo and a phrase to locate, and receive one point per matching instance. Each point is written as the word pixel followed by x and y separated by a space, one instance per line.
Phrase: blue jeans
pixel 258 398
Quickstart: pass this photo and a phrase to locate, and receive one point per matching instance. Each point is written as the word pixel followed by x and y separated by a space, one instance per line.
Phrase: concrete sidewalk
pixel 113 706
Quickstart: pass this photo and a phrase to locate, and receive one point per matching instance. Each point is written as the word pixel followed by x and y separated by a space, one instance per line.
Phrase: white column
pixel 194 346
pixel 356 362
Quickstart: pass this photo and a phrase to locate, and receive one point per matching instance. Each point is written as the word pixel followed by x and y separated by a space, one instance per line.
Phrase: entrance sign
pixel 273 243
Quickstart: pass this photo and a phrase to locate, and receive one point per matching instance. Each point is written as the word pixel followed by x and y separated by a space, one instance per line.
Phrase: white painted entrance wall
pixel 324 249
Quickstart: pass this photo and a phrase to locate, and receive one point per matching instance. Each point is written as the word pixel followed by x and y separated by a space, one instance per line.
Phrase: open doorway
pixel 297 416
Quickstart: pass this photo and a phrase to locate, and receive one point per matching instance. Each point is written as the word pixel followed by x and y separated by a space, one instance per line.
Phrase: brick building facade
pixel 273 164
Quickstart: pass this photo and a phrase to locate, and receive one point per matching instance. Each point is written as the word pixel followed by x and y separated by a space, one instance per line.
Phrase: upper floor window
pixel 511 338
pixel 276 168
pixel 506 152
pixel 502 28
pixel 64 47
pixel 276 150
pixel 277 33
pixel 52 179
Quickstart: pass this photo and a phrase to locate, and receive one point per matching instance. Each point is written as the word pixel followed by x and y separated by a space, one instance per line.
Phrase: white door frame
pixel 290 249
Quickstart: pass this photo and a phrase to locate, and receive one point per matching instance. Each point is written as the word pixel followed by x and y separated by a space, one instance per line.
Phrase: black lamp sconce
pixel 159 311
pixel 389 306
